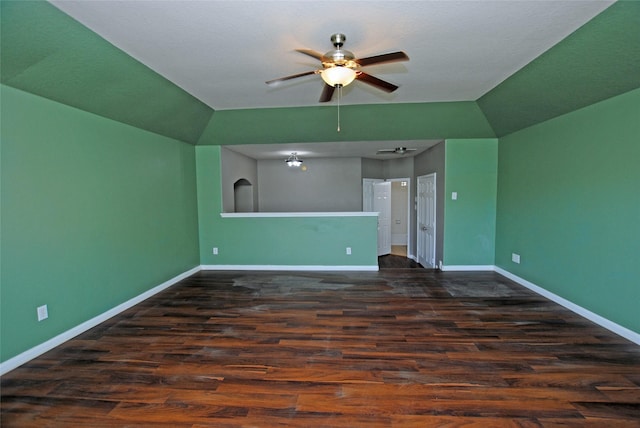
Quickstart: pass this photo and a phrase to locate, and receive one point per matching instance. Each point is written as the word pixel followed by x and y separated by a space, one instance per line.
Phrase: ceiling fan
pixel 396 151
pixel 340 67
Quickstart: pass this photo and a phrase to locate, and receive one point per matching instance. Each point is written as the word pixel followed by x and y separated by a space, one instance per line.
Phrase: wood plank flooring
pixel 395 348
pixel 392 261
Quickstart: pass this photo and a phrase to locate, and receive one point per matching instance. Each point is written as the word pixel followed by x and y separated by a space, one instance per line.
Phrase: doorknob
pixel 424 227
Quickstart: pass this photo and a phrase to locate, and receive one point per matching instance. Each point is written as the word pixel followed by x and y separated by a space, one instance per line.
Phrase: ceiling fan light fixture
pixel 293 160
pixel 338 75
pixel 340 67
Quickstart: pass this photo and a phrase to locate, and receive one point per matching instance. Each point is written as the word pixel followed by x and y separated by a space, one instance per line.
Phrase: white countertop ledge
pixel 300 214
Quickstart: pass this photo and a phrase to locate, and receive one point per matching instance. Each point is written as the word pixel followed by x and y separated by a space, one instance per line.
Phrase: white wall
pixel 327 185
pixel 372 168
pixel 234 167
pixel 398 168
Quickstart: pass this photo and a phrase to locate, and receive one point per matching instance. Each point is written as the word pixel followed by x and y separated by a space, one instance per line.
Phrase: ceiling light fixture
pixel 293 160
pixel 338 76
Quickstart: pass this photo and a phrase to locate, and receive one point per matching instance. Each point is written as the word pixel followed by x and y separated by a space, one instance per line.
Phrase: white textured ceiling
pixel 363 149
pixel 222 52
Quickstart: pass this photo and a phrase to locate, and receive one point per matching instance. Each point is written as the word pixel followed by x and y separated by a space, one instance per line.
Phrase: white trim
pixel 302 214
pixel 467 268
pixel 603 322
pixel 40 349
pixel 368 268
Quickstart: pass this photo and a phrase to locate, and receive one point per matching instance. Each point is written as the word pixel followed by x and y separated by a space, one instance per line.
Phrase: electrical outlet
pixel 43 312
pixel 215 251
pixel 515 258
pixel 348 251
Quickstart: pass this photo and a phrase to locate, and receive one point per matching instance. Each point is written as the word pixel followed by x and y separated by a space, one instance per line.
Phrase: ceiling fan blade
pixel 327 93
pixel 374 81
pixel 293 76
pixel 379 59
pixel 311 53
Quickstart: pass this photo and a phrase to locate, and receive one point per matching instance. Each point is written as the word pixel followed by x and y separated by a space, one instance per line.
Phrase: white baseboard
pixel 368 268
pixel 466 268
pixel 40 349
pixel 608 324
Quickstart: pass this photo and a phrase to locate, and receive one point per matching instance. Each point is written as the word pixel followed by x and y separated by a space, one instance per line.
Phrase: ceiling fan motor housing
pixel 338 40
pixel 339 57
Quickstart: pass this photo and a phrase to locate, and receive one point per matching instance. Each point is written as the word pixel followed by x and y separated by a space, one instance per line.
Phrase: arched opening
pixel 243 196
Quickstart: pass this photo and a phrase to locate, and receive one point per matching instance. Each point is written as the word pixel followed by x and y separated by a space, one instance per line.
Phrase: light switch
pixel 454 196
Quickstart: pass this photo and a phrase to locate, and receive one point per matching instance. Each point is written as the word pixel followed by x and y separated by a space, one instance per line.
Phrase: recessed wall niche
pixel 243 196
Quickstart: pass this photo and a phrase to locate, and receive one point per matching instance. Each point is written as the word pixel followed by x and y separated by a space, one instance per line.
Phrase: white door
pixel 382 204
pixel 426 219
pixel 367 193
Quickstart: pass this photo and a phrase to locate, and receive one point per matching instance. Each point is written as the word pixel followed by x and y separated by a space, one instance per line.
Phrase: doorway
pixel 400 216
pixel 394 228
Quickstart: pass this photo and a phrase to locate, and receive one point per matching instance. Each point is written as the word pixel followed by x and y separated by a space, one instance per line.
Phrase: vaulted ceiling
pixel 167 66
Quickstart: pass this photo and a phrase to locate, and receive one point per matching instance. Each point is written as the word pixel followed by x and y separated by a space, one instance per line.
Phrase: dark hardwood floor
pixel 393 261
pixel 395 348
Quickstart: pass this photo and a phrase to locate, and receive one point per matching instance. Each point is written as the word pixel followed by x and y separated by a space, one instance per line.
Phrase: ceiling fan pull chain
pixel 339 96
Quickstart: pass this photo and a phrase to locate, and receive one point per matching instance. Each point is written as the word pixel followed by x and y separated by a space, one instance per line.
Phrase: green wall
pixel 358 123
pixel 471 168
pixel 569 204
pixel 94 212
pixel 291 241
pixel 599 60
